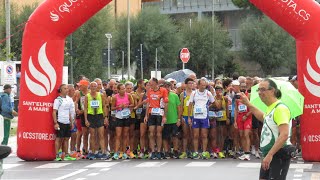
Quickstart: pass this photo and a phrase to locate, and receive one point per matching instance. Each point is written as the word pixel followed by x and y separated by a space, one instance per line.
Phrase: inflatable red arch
pixel 43 52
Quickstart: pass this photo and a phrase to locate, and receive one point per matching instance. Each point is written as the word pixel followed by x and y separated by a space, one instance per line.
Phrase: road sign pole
pixel 183 65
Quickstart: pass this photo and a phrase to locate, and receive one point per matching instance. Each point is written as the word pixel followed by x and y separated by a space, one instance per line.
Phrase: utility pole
pixel 8 34
pixel 141 61
pixel 128 13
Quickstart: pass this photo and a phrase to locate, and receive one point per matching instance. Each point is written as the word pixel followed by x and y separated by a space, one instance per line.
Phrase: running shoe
pixel 124 156
pixel 130 154
pixel 175 154
pixel 245 157
pixel 231 154
pixel 91 156
pixel 183 155
pixel 205 155
pixel 167 155
pixel 69 158
pixel 257 155
pixel 195 155
pixel 120 155
pixel 221 155
pixel 253 150
pixel 141 155
pixel 146 155
pixel 98 156
pixel 214 155
pixel 115 156
pixel 153 156
pixel 58 158
pixel 158 154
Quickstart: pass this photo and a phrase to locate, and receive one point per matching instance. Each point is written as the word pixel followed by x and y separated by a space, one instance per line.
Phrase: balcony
pixel 192 6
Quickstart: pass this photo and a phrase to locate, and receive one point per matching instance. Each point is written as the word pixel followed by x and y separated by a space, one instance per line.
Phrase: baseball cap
pixel 7 86
pixel 235 83
pixel 84 83
pixel 218 87
pixel 178 85
pixel 294 78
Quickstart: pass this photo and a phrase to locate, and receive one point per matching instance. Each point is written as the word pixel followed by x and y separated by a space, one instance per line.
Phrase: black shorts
pixel 64 131
pixel 96 121
pixel 137 124
pixel 256 123
pixel 278 169
pixel 123 122
pixel 155 120
pixel 170 130
pixel 132 120
pixel 83 121
pixel 112 123
pixel 221 123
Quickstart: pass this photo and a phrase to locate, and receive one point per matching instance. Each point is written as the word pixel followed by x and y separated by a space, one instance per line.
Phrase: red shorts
pixel 244 125
pixel 78 124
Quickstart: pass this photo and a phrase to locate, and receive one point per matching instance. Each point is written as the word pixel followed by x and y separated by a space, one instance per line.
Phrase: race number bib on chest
pixel 125 113
pixel 199 110
pixel 230 107
pixel 212 114
pixel 219 114
pixel 113 113
pixel 242 108
pixel 157 111
pixel 94 103
pixel 139 111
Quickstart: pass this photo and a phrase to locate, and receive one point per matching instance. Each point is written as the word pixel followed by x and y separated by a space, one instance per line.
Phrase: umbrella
pixel 180 75
pixel 291 97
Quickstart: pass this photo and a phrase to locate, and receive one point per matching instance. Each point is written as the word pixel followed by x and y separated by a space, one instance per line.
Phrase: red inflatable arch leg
pixel 41 71
pixel 301 18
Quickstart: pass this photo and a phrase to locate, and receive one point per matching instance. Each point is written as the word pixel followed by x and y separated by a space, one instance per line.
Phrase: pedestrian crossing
pixel 107 165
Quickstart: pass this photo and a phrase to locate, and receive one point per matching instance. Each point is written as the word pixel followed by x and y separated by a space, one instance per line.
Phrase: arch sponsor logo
pixel 312 138
pixel 46 80
pixel 295 8
pixel 66 7
pixel 314 89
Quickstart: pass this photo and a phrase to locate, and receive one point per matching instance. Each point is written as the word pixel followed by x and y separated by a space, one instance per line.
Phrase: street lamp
pixel 109 36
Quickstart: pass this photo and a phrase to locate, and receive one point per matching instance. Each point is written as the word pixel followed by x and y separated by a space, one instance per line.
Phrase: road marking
pixel 80 179
pixel 300 162
pixel 92 174
pixel 200 164
pixel 296 179
pixel 315 176
pixel 71 174
pixel 301 166
pixel 297 175
pixel 150 164
pixel 52 165
pixel 127 160
pixel 249 165
pixel 9 166
pixel 105 169
pixel 102 165
pixel 299 171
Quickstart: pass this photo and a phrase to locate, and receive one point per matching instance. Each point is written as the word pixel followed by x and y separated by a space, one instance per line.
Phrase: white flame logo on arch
pixel 47 83
pixel 313 88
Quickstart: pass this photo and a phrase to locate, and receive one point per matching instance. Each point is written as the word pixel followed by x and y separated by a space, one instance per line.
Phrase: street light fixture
pixel 109 36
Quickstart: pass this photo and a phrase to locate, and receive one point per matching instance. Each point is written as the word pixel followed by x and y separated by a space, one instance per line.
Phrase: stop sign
pixel 185 55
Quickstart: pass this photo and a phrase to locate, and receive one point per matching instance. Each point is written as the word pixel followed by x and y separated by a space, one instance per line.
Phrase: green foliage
pixel 206 40
pixel 246 4
pixel 266 43
pixel 88 42
pixel 153 30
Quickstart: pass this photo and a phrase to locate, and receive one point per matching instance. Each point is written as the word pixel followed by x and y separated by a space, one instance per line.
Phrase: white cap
pixel 170 79
pixel 178 85
pixel 235 83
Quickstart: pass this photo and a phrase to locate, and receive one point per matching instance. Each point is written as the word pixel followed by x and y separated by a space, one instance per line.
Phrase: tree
pixel 206 40
pixel 246 4
pixel 153 30
pixel 266 43
pixel 88 42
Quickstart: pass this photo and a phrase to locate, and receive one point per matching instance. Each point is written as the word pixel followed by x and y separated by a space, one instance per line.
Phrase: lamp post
pixel 109 36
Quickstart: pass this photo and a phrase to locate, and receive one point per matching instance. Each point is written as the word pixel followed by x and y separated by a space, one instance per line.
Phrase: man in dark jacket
pixel 7 112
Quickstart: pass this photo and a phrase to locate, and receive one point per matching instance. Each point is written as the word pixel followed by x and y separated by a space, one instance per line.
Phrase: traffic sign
pixel 184 55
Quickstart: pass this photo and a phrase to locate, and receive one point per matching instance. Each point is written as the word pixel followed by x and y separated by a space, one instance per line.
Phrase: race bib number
pixel 155 111
pixel 125 113
pixel 113 113
pixel 212 114
pixel 219 114
pixel 94 103
pixel 198 110
pixel 230 107
pixel 139 111
pixel 242 108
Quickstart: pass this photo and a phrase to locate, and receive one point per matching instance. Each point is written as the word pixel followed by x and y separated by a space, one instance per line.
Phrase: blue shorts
pixel 186 119
pixel 201 123
pixel 74 128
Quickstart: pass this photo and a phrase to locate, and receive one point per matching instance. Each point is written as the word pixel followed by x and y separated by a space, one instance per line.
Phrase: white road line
pixel 249 165
pixel 127 160
pixel 151 164
pixel 92 174
pixel 71 174
pixel 200 164
pixel 52 165
pixel 297 175
pixel 105 169
pixel 9 166
pixel 101 164
pixel 80 179
pixel 296 179
pixel 299 171
pixel 301 166
pixel 300 162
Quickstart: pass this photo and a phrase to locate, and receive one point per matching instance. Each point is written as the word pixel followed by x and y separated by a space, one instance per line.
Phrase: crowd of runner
pixel 158 119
